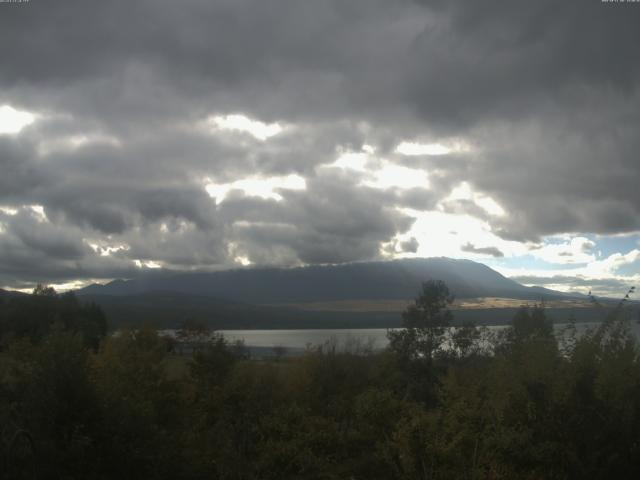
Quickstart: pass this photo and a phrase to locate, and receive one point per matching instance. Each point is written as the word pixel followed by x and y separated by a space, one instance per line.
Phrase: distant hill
pixel 306 297
pixel 10 293
pixel 399 279
pixel 168 310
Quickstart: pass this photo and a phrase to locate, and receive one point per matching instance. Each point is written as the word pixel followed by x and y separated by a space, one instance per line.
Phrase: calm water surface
pixel 377 337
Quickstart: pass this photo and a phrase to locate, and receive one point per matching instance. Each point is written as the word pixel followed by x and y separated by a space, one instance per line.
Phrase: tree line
pixel 437 403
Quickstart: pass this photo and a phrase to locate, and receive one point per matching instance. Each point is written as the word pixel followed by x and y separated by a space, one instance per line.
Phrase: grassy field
pixel 399 305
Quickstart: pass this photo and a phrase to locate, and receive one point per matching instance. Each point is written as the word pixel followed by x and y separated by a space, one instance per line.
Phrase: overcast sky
pixel 215 134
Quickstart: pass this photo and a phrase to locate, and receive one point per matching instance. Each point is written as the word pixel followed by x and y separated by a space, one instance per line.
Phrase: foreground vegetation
pixel 437 403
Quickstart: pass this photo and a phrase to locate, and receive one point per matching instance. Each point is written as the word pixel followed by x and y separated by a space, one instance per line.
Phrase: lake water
pixel 376 337
pixel 288 342
pixel 301 339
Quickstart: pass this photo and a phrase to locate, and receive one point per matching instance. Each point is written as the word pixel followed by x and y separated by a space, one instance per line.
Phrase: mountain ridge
pixel 394 279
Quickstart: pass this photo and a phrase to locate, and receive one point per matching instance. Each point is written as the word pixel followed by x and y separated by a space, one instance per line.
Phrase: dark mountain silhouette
pixel 169 309
pixel 275 297
pixel 399 279
pixel 10 293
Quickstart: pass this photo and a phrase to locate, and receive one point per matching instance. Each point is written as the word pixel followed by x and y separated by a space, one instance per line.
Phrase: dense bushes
pixel 36 316
pixel 439 403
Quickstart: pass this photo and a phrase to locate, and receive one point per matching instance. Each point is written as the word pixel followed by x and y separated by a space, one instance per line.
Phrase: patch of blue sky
pixel 605 246
pixel 609 244
pixel 628 269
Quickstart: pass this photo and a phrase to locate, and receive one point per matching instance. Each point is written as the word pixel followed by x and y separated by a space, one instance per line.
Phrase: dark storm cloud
pixel 465 207
pixel 19 172
pixel 418 198
pixel 410 245
pixel 33 249
pixel 450 61
pixel 116 208
pixel 228 54
pixel 549 91
pixel 503 59
pixel 332 221
pixel 555 180
pixel 545 93
pixel 44 237
pixel 493 251
pixel 177 246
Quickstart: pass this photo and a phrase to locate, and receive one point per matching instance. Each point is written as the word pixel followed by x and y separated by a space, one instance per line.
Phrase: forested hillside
pixel 438 403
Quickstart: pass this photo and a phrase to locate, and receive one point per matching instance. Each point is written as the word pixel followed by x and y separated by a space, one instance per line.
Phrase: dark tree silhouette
pixel 424 324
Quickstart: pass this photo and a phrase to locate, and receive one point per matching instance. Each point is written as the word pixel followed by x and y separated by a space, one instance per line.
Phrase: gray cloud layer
pixel 546 93
pixel 493 251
